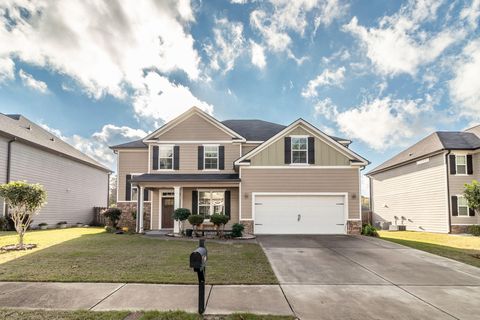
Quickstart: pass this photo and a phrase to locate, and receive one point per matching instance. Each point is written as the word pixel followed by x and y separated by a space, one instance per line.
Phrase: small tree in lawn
pixel 24 201
pixel 181 214
pixel 472 195
pixel 219 220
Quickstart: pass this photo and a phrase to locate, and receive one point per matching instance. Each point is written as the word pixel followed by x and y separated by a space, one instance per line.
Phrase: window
pixel 165 157
pixel 210 157
pixel 461 162
pixel 210 202
pixel 299 150
pixel 134 193
pixel 463 209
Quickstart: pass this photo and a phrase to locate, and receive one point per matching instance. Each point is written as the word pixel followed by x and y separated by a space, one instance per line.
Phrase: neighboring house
pixel 74 182
pixel 422 187
pixel 274 179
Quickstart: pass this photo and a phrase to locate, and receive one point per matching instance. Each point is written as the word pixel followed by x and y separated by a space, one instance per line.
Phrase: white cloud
pixel 97 146
pixel 385 122
pixel 228 45
pixel 258 55
pixel 161 99
pixel 326 108
pixel 399 45
pixel 104 46
pixel 29 81
pixel 465 86
pixel 326 78
pixel 7 69
pixel 471 13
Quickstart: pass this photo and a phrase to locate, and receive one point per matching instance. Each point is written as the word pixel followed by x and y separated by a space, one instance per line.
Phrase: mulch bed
pixel 16 247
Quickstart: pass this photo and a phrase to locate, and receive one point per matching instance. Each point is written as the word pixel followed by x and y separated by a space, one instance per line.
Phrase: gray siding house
pixel 75 183
pixel 422 186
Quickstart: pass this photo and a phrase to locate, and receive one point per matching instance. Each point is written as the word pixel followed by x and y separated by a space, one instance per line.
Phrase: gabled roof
pixel 137 144
pixel 314 130
pixel 434 143
pixel 19 127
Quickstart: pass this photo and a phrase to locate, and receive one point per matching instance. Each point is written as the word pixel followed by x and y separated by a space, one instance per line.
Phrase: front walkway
pixel 224 299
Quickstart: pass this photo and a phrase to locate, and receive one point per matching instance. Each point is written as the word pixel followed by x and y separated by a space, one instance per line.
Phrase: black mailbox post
pixel 198 262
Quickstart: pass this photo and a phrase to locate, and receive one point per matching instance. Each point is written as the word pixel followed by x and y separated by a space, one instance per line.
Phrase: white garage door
pixel 299 214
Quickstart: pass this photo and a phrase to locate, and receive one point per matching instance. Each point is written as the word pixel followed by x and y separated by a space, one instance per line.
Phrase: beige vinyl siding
pixel 274 155
pixel 300 180
pixel 73 189
pixel 130 161
pixel 189 158
pixel 415 191
pixel 194 128
pixel 246 148
pixel 3 167
pixel 155 214
pixel 457 183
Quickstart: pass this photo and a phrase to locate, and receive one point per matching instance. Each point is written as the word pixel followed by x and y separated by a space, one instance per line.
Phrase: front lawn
pixel 92 255
pixel 462 248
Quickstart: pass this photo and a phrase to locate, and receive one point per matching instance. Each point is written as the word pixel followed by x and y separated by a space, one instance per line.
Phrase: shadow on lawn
pixel 468 256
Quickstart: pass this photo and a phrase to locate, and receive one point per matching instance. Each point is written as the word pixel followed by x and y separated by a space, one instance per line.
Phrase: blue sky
pixel 383 73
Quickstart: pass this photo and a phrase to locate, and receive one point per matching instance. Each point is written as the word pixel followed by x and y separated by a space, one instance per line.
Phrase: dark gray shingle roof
pixel 155 177
pixel 132 144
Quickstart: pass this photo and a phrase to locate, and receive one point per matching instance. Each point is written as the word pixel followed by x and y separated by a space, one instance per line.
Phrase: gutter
pixel 448 192
pixel 9 158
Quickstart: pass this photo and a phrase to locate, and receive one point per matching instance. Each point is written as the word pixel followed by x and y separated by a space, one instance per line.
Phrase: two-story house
pixel 274 179
pixel 422 186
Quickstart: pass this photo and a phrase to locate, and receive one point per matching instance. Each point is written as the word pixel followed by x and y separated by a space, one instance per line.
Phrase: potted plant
pixel 43 226
pixel 62 224
pixel 195 220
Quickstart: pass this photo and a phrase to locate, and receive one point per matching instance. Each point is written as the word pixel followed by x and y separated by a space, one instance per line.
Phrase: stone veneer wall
pixel 354 227
pixel 248 224
pixel 127 220
pixel 459 229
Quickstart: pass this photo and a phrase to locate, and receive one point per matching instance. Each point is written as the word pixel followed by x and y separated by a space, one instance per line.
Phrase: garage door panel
pixel 312 214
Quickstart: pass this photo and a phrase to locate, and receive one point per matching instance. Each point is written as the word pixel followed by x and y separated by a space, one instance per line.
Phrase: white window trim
pixel 211 207
pixel 131 193
pixel 456 165
pixel 131 189
pixel 218 157
pixel 173 156
pixel 458 207
pixel 306 151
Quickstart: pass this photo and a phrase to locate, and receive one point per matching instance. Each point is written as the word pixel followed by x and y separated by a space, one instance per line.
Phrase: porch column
pixel 177 195
pixel 140 209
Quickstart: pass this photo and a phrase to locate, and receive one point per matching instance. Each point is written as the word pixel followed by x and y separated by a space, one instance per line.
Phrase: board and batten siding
pixel 3 167
pixel 274 155
pixel 300 180
pixel 130 161
pixel 73 188
pixel 189 158
pixel 457 186
pixel 417 192
pixel 246 148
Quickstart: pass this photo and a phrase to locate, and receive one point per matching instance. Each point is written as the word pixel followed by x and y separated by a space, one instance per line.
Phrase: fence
pixel 366 217
pixel 98 217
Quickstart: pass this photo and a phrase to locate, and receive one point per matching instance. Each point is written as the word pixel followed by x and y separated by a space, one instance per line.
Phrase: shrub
pixel 472 194
pixel 62 222
pixel 219 220
pixel 110 229
pixel 134 214
pixel 113 214
pixel 237 230
pixel 181 214
pixel 369 230
pixel 3 224
pixel 475 230
pixel 43 224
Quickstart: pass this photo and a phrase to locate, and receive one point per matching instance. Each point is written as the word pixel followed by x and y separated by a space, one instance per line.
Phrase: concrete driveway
pixel 350 277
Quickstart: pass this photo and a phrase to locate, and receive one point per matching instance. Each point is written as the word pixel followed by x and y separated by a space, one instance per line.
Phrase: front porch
pixel 203 194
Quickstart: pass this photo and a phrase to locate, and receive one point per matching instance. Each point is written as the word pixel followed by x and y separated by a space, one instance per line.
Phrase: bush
pixel 62 222
pixel 237 230
pixel 4 225
pixel 113 214
pixel 181 214
pixel 195 219
pixel 219 220
pixel 369 230
pixel 43 224
pixel 475 230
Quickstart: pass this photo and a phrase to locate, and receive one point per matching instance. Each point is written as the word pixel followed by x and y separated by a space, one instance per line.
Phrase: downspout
pixel 9 157
pixel 448 192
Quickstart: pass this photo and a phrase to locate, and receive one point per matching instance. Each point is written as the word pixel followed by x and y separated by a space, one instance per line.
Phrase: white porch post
pixel 177 194
pixel 140 209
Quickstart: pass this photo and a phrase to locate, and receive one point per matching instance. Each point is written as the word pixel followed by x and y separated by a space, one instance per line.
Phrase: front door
pixel 167 212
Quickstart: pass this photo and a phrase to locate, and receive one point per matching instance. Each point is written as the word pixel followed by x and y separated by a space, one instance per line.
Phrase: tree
pixel 219 220
pixel 472 195
pixel 24 200
pixel 195 220
pixel 113 214
pixel 181 214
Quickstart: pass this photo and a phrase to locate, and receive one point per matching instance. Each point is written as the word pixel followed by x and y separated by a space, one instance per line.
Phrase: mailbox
pixel 198 259
pixel 198 262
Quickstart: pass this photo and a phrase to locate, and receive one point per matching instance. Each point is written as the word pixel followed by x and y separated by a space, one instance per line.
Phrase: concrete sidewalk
pixel 227 299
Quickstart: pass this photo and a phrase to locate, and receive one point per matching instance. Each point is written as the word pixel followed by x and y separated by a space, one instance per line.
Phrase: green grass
pixel 465 249
pixel 14 314
pixel 92 255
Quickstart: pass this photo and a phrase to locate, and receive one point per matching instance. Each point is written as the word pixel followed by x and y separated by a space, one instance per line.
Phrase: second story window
pixel 299 150
pixel 165 157
pixel 210 155
pixel 461 162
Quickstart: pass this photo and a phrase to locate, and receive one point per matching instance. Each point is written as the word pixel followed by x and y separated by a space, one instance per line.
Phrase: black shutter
pixel 454 206
pixel 469 164
pixel 194 202
pixel 176 158
pixel 227 203
pixel 471 212
pixel 128 187
pixel 155 158
pixel 221 157
pixel 288 150
pixel 453 165
pixel 145 195
pixel 200 157
pixel 311 150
